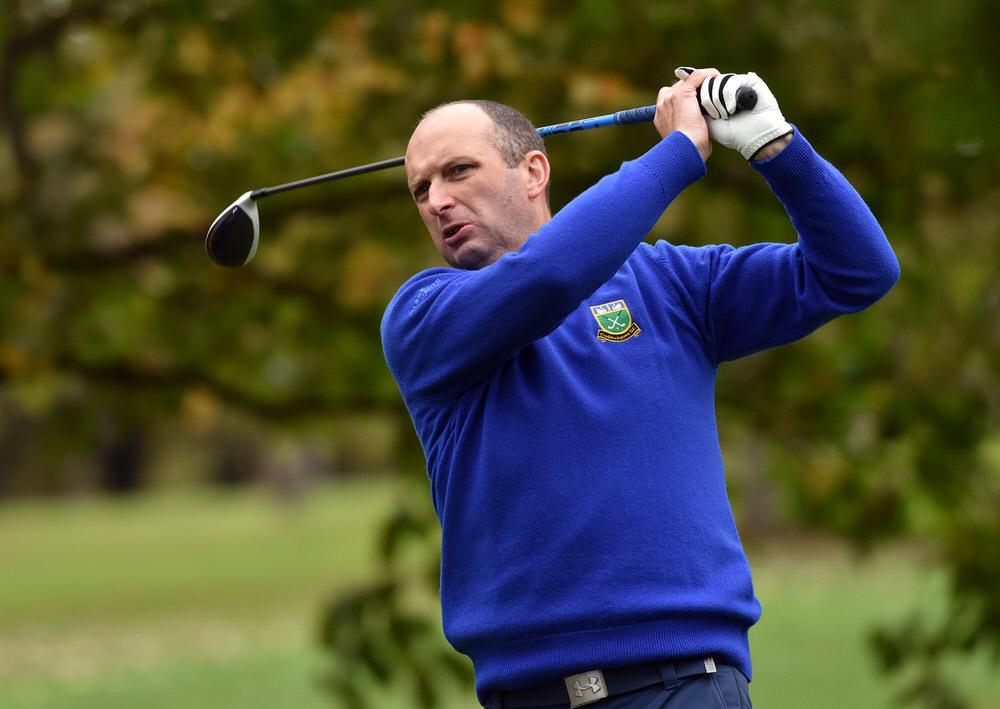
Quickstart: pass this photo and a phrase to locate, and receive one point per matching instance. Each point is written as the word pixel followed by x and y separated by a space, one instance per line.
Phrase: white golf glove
pixel 746 131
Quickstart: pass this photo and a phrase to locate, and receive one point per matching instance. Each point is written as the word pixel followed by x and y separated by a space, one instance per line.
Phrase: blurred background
pixel 210 493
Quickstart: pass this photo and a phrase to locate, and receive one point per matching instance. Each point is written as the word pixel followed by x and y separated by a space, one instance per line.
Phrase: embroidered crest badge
pixel 615 321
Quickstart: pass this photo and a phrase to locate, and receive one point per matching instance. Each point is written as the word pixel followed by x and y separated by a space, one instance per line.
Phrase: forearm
pixel 839 236
pixel 590 238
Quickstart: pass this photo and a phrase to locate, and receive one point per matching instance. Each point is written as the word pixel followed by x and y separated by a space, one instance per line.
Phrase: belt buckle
pixel 585 688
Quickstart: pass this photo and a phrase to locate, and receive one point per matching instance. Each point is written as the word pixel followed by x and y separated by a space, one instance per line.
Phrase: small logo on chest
pixel 615 321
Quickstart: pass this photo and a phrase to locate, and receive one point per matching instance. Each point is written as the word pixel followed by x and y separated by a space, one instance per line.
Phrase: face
pixel 474 206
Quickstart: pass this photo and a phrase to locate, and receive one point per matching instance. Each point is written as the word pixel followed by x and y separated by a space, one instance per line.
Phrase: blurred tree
pixel 125 356
pixel 124 128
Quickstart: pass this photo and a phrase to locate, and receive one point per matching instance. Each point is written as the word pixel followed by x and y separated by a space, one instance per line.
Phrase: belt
pixel 594 685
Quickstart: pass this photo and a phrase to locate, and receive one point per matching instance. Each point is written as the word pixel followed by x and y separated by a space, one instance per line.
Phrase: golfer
pixel 560 378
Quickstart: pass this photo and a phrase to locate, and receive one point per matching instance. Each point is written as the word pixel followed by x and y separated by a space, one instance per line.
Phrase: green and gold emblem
pixel 615 321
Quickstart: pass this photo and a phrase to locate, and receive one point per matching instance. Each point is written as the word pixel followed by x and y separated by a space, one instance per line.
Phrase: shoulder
pixel 418 287
pixel 679 258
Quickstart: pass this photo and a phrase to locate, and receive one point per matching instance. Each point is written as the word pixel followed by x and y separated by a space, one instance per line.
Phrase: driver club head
pixel 232 238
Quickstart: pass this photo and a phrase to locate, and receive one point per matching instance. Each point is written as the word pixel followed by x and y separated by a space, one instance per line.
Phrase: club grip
pixel 642 114
pixel 746 99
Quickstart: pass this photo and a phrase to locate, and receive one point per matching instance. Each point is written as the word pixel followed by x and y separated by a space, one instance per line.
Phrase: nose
pixel 439 199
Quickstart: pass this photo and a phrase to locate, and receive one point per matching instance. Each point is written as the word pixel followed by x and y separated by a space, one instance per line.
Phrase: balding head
pixel 513 134
pixel 479 192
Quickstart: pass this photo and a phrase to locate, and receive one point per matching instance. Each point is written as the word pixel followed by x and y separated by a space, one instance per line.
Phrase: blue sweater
pixel 564 398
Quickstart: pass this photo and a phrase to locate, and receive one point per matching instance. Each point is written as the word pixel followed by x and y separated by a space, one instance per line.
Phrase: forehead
pixel 448 132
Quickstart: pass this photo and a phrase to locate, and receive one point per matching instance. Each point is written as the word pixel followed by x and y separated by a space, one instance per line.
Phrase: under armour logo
pixel 594 686
pixel 591 682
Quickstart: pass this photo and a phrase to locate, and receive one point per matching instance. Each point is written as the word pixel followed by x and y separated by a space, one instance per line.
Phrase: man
pixel 560 378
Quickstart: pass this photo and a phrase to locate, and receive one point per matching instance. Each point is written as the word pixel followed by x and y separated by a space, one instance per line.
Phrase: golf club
pixel 232 238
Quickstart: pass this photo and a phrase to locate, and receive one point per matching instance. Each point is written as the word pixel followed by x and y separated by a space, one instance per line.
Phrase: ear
pixel 535 173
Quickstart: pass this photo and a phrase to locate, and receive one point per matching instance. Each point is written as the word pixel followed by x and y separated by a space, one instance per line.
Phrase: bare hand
pixel 678 108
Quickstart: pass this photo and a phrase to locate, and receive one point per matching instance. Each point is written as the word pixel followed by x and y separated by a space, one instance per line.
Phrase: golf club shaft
pixel 349 172
pixel 643 114
pixel 631 115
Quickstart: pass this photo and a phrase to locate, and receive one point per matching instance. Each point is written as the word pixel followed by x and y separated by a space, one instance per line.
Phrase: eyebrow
pixel 449 162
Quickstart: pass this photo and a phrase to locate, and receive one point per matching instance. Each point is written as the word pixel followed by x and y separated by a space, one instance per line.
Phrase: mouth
pixel 451 232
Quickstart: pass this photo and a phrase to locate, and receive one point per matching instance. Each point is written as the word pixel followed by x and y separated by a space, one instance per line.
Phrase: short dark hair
pixel 513 134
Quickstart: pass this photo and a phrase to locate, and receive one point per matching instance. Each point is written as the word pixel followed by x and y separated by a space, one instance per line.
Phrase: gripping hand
pixel 744 130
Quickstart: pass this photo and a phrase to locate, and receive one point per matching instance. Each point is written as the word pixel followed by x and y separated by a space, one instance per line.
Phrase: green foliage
pixel 128 126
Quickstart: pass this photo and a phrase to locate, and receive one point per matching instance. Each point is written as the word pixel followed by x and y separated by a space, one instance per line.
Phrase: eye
pixel 459 170
pixel 420 190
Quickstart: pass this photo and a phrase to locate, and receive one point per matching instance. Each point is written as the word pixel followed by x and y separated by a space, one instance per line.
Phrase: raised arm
pixel 770 294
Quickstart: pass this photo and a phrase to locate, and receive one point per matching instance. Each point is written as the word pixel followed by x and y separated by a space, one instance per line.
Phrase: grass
pixel 204 600
pixel 195 600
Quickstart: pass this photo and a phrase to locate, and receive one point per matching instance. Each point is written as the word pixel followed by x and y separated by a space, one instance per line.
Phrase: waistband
pixel 593 685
